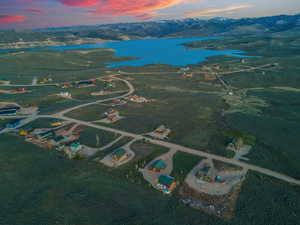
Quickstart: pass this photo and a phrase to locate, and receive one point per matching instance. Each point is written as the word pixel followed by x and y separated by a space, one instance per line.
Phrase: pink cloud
pixel 35 10
pixel 80 3
pixel 146 16
pixel 125 7
pixel 142 9
pixel 24 1
pixel 6 19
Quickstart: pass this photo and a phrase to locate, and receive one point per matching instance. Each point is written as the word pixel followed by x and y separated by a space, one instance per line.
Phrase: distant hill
pixel 165 28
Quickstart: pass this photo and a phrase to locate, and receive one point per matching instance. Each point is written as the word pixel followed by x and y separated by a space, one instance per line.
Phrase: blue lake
pixel 155 51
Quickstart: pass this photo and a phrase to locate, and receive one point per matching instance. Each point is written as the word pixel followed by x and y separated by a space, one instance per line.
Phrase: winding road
pixel 247 166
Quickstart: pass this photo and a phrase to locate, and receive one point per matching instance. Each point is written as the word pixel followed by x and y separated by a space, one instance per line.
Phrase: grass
pixel 89 113
pixel 183 163
pixel 58 189
pixel 89 137
pixel 42 123
pixel 123 141
pixel 61 66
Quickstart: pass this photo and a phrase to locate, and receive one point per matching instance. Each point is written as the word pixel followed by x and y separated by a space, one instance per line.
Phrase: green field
pixel 21 67
pixel 42 187
pixel 89 137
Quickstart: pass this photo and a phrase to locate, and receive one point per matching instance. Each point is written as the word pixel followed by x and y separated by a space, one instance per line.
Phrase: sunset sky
pixel 53 13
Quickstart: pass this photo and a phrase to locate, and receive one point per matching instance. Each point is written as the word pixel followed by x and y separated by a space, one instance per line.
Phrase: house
pixel 110 111
pixel 25 131
pixel 235 144
pixel 58 140
pixel 118 102
pixel 166 184
pixel 109 84
pixel 13 124
pixel 137 99
pixel 75 146
pixel 188 75
pixel 161 132
pixel 119 155
pixel 216 66
pixel 45 80
pixel 72 149
pixel 65 94
pixel 66 85
pixel 9 110
pixel 4 81
pixel 56 123
pixel 185 69
pixel 19 91
pixel 45 135
pixel 161 129
pixel 157 165
pixel 112 115
pixel 38 131
pixel 86 83
pixel 205 174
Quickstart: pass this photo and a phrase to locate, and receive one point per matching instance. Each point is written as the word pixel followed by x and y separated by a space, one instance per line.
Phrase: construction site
pixel 214 190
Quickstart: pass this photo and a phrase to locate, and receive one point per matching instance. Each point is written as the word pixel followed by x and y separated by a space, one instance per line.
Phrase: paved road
pixel 169 145
pixel 183 149
pixel 200 72
pixel 111 143
pixel 130 92
pixel 28 85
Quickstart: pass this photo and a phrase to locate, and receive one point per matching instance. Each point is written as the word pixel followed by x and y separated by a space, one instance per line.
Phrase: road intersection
pixel 246 166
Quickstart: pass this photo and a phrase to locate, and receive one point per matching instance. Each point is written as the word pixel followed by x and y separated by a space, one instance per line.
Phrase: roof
pixel 10 108
pixel 44 134
pixel 159 164
pixel 58 138
pixel 75 145
pixel 119 152
pixel 205 169
pixel 27 128
pixel 85 82
pixel 14 121
pixel 166 180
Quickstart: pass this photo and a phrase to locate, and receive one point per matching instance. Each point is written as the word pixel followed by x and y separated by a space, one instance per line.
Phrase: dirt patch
pixel 221 206
pixel 221 166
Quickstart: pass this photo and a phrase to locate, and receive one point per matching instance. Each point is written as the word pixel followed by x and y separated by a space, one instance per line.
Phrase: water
pixel 155 51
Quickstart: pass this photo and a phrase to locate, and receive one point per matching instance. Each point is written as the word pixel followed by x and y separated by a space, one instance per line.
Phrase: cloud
pixel 80 3
pixel 6 19
pixel 212 12
pixel 24 1
pixel 143 9
pixel 146 16
pixel 39 11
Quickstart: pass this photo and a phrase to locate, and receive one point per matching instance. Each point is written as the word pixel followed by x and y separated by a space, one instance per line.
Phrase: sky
pixel 27 14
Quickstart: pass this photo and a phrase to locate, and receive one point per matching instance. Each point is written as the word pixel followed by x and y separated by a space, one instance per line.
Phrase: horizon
pixel 33 14
pixel 148 21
